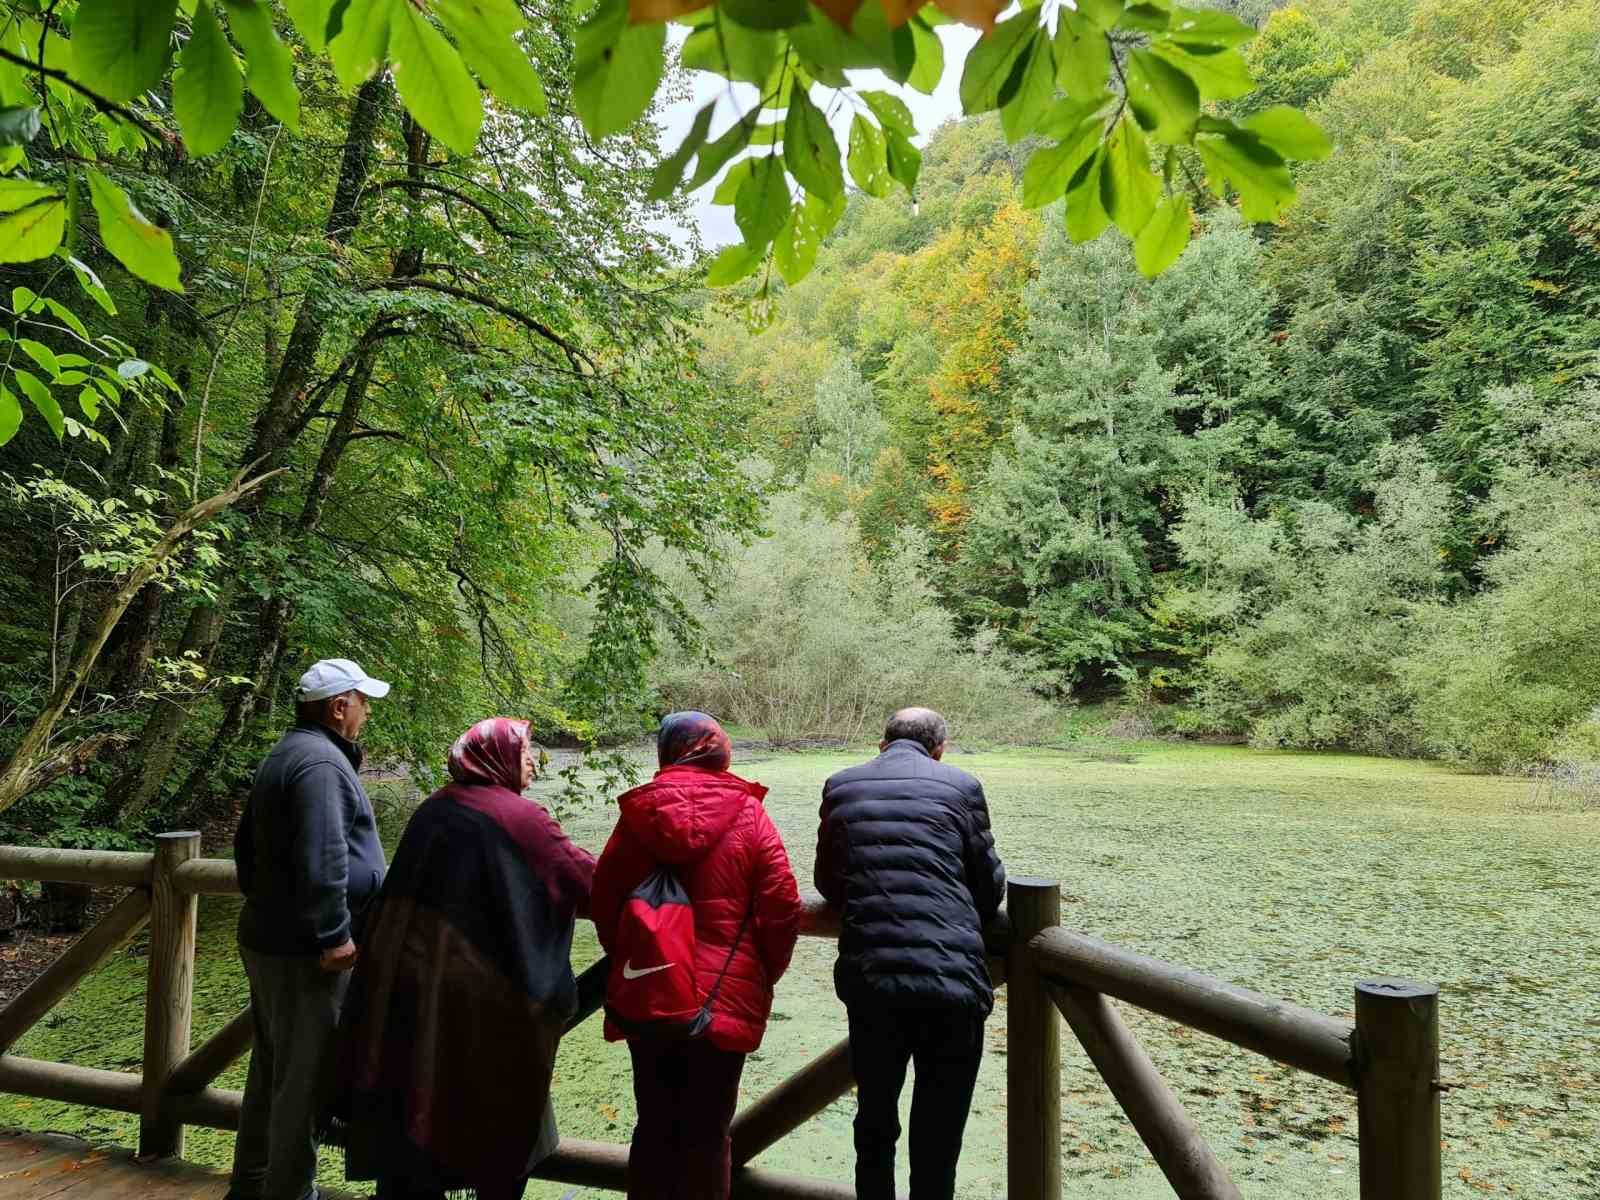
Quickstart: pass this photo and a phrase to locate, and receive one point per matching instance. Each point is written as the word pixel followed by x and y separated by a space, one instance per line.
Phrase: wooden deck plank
pixel 53 1166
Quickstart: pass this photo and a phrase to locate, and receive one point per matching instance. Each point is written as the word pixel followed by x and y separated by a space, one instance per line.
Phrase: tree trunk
pixel 274 431
pixel 150 758
pixel 195 793
pixel 143 623
pixel 23 773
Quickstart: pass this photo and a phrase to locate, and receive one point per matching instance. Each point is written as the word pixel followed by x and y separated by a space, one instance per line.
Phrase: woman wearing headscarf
pixel 464 984
pixel 708 827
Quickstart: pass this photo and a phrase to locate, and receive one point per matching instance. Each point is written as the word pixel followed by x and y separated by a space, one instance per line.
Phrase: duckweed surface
pixel 1294 874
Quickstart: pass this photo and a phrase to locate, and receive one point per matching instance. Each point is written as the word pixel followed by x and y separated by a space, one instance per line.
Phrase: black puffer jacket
pixel 905 853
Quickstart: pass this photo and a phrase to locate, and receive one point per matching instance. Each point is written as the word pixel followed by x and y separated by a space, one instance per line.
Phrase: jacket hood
pixel 684 811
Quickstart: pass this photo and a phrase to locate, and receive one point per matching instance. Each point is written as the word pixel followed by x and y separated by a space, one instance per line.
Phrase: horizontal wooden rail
pixel 1300 1037
pixel 1173 1139
pixel 605 1165
pixel 115 1090
pixel 207 877
pixel 104 868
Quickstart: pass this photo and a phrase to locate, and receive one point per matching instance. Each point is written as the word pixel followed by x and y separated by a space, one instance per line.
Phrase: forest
pixel 470 415
pixel 1328 482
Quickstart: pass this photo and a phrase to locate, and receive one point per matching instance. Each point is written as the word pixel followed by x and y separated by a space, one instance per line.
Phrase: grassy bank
pixel 1292 873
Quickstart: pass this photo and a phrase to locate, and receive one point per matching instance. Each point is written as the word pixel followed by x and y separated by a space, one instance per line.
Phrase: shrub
pixel 809 640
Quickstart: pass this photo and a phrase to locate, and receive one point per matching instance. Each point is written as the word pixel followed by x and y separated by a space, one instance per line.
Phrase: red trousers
pixel 686 1094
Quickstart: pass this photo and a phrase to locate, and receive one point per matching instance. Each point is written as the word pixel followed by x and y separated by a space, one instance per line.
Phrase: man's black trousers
pixel 945 1046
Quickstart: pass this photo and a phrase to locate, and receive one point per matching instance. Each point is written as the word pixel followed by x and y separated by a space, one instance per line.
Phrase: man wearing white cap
pixel 309 862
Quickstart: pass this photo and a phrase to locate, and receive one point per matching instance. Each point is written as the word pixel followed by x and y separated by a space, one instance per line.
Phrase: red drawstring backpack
pixel 652 990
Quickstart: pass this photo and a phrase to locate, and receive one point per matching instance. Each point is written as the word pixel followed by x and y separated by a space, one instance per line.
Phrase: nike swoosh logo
pixel 629 973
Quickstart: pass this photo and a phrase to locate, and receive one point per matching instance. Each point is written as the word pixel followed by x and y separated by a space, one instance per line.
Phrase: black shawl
pixel 459 997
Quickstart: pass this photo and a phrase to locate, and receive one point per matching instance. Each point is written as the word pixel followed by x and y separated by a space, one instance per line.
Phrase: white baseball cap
pixel 335 677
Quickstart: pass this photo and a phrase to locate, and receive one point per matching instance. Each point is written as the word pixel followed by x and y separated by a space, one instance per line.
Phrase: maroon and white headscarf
pixel 692 739
pixel 490 752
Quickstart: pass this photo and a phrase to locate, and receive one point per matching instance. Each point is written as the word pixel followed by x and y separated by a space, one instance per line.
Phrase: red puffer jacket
pixel 711 827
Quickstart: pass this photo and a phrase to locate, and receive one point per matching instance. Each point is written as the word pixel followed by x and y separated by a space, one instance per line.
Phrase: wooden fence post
pixel 1033 1050
pixel 169 996
pixel 1397 1086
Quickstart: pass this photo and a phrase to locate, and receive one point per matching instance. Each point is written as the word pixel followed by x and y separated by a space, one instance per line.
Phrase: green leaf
pixel 19 124
pixel 269 67
pixel 24 300
pixel 1219 76
pixel 732 51
pixel 869 158
pixel 990 62
pixel 1082 56
pixel 1290 132
pixel 485 33
pixel 144 248
pixel 10 416
pixel 89 402
pixel 809 148
pixel 766 14
pixel 311 18
pixel 119 47
pixel 19 193
pixel 894 50
pixel 727 191
pixel 905 160
pixel 617 68
pixel 1257 172
pixel 433 81
pixel 14 88
pixel 1146 18
pixel 1164 236
pixel 1208 27
pixel 207 89
pixel 891 112
pixel 43 401
pixel 1065 116
pixel 718 152
pixel 33 232
pixel 669 171
pixel 761 205
pixel 1102 14
pixel 1035 79
pixel 795 251
pixel 41 354
pixel 768 134
pixel 1086 215
pixel 1164 100
pixel 91 285
pixel 361 42
pixel 734 263
pixel 928 68
pixel 68 318
pixel 827 51
pixel 1128 189
pixel 1050 169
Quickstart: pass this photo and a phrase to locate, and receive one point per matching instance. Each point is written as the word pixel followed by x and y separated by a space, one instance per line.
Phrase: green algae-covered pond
pixel 1294 874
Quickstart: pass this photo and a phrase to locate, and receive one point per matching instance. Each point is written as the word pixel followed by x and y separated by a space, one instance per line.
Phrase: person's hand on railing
pixel 338 958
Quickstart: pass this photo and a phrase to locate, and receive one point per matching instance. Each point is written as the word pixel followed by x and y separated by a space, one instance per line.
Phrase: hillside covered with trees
pixel 1325 482
pixel 1076 401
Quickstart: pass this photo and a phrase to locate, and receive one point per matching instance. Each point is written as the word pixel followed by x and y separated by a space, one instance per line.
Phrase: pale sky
pixel 716 221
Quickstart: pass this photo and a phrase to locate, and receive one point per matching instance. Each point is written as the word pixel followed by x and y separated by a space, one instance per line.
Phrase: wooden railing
pixel 1388 1056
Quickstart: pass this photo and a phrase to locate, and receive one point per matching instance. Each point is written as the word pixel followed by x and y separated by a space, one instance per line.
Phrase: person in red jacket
pixel 710 827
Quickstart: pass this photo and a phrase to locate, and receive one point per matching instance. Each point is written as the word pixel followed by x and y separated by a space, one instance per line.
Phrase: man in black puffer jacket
pixel 905 853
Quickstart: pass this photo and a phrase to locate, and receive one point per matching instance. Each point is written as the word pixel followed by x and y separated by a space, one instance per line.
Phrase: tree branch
pixel 95 98
pixel 575 355
pixel 423 185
